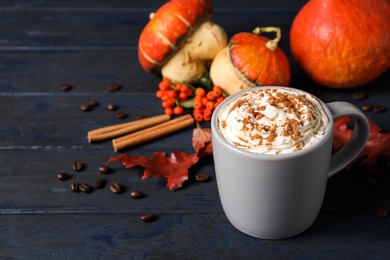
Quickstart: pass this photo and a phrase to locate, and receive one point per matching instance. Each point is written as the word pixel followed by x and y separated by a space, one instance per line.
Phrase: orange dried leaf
pixel 201 138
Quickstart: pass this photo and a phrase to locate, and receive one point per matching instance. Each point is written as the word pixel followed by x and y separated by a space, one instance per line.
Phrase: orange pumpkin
pixel 251 60
pixel 342 43
pixel 173 21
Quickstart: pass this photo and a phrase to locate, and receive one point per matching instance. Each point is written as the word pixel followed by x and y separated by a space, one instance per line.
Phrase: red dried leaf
pixel 173 168
pixel 201 138
pixel 378 144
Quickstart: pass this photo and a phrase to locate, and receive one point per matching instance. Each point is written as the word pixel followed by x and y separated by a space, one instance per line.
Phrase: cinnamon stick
pixel 110 132
pixel 152 133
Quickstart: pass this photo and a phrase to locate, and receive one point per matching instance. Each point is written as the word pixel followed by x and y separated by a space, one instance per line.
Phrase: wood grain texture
pixel 89 44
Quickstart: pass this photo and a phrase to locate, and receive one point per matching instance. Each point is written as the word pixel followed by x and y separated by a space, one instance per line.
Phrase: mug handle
pixel 359 137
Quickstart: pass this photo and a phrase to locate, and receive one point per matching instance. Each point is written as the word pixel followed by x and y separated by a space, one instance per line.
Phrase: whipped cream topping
pixel 273 121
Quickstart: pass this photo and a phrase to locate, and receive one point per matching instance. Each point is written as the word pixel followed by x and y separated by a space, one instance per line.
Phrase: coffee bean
pixel 382 212
pixel 112 107
pixel 366 107
pixel 92 103
pixel 359 95
pixel 74 186
pixel 379 108
pixel 85 108
pixel 65 87
pixel 63 176
pixel 99 183
pixel 148 217
pixel 105 169
pixel 113 87
pixel 84 187
pixel 202 177
pixel 115 187
pixel 121 115
pixel 135 194
pixel 78 166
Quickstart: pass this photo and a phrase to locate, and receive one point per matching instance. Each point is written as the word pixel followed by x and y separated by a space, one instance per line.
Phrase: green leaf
pixel 189 103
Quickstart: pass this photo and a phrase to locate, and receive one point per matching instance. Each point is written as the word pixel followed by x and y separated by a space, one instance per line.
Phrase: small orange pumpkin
pixel 181 40
pixel 342 43
pixel 251 60
pixel 168 29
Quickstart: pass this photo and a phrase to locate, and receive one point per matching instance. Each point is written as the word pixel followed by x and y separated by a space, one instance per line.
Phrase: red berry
pixel 210 105
pixel 198 116
pixel 159 93
pixel 206 117
pixel 197 104
pixel 200 92
pixel 168 111
pixel 208 112
pixel 211 95
pixel 178 110
pixel 217 91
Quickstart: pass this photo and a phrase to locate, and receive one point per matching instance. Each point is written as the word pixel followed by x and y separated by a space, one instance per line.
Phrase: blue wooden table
pixel 90 44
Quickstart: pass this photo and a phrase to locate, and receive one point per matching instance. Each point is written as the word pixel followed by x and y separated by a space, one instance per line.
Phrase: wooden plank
pixel 119 28
pixel 90 44
pixel 27 4
pixel 32 171
pixel 89 71
pixel 183 236
pixel 55 119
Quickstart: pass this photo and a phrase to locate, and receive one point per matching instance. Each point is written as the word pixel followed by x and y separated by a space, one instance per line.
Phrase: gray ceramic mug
pixel 276 196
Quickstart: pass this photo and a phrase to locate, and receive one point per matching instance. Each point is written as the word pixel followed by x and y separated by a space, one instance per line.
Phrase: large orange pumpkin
pixel 342 43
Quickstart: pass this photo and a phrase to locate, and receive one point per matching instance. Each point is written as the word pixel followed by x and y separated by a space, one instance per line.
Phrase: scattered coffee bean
pixel 121 115
pixel 65 87
pixel 78 166
pixel 84 187
pixel 113 87
pixel 135 194
pixel 382 212
pixel 74 186
pixel 115 187
pixel 63 176
pixel 92 103
pixel 379 108
pixel 105 169
pixel 148 217
pixel 85 107
pixel 359 95
pixel 202 177
pixel 99 183
pixel 112 107
pixel 366 107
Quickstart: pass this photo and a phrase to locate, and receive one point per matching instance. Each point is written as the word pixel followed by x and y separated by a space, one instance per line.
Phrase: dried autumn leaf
pixel 174 168
pixel 378 144
pixel 201 137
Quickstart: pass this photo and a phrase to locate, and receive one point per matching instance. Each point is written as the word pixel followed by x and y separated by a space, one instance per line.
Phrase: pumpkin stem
pixel 271 44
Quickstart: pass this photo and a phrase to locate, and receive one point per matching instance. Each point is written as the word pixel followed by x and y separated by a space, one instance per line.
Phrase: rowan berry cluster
pixel 172 95
pixel 206 102
pixel 203 99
